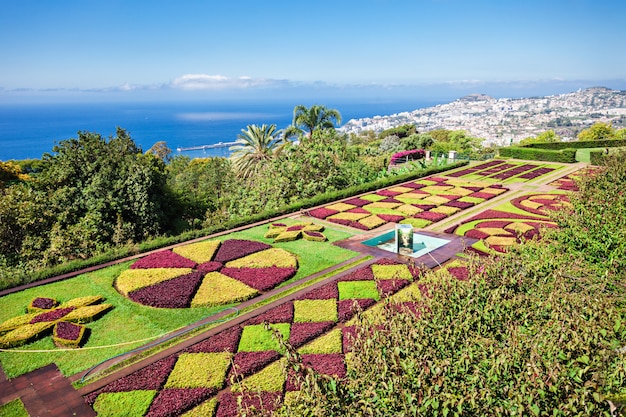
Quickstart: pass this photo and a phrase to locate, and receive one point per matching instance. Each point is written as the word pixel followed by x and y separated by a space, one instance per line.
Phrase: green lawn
pixel 583 155
pixel 129 321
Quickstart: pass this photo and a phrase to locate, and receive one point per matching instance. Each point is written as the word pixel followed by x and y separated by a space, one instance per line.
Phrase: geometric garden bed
pixel 206 273
pixel 510 223
pixel 247 358
pixel 418 203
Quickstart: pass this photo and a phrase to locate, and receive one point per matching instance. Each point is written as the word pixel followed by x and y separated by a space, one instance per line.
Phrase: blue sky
pixel 192 48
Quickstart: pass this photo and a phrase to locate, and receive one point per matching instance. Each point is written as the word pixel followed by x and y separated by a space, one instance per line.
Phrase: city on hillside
pixel 506 121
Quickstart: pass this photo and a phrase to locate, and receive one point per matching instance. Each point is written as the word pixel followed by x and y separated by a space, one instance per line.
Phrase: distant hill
pixel 505 120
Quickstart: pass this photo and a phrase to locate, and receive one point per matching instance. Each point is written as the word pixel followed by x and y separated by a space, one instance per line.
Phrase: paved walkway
pixel 45 393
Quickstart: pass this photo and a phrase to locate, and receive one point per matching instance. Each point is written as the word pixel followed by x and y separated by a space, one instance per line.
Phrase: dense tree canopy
pixel 597 131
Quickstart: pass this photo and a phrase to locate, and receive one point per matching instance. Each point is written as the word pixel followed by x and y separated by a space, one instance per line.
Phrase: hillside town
pixel 506 121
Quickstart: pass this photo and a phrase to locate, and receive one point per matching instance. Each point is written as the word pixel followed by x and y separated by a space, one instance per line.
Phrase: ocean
pixel 30 130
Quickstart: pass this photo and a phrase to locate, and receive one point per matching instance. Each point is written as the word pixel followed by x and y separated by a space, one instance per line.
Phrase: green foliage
pixel 358 289
pixel 548 136
pixel 417 141
pixel 402 131
pixel 199 370
pixel 307 311
pixel 131 403
pixel 14 408
pixel 596 225
pixel 597 131
pixel 534 154
pixel 609 143
pixel 308 120
pixel 200 187
pixel 257 338
pixel 256 147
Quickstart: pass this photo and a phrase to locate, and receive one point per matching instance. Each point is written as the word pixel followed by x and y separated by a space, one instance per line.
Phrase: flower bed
pixel 62 319
pixel 511 223
pixel 311 324
pixel 400 204
pixel 233 271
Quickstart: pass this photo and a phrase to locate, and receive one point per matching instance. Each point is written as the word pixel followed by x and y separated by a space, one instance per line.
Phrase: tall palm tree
pixel 307 120
pixel 255 147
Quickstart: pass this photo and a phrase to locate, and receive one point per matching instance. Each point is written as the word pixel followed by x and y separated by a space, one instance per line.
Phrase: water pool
pixel 422 244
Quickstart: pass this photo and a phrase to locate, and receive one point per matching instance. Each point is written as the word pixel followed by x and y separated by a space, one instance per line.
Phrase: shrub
pixel 565 155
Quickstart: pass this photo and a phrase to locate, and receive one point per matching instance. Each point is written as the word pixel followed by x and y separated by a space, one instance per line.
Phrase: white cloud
pixel 214 82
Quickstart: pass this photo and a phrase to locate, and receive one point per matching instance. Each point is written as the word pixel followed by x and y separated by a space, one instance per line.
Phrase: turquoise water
pixel 422 244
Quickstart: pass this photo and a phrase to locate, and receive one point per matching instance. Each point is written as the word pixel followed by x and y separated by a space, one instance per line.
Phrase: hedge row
pixel 564 155
pixel 161 242
pixel 608 143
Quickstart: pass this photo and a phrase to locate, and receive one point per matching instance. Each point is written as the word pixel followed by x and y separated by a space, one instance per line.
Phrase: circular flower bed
pixel 206 273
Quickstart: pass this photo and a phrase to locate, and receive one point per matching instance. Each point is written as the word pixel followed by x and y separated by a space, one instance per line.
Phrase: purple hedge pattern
pixel 324 292
pixel 359 202
pixel 268 401
pixel 279 314
pixel 152 377
pixel 44 303
pixel 459 204
pixel 52 315
pixel 170 402
pixel 174 293
pixel 388 193
pixel 261 279
pixel 360 274
pixel 388 287
pixel 226 341
pixel 248 363
pixel 430 215
pixel 323 212
pixel 234 248
pixel 210 266
pixel 346 309
pixel 68 331
pixel 163 259
pixel 302 333
pixel 459 272
pixel 326 363
pixel 358 210
pixel 391 218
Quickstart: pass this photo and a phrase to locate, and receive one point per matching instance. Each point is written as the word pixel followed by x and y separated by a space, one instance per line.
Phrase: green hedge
pixel 596 157
pixel 608 143
pixel 161 242
pixel 564 155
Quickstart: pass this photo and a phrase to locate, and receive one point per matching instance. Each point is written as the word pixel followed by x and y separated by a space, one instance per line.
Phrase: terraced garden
pixel 286 279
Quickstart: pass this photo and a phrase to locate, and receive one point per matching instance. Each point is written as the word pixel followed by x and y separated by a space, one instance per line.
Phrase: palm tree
pixel 307 120
pixel 255 147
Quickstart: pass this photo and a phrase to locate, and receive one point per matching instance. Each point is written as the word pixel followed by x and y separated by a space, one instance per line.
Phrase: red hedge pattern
pixel 174 293
pixel 163 259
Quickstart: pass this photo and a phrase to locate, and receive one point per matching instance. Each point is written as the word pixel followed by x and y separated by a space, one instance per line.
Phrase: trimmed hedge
pixel 565 155
pixel 608 143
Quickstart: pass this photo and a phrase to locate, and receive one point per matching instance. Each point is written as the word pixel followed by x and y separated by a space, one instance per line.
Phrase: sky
pixel 132 49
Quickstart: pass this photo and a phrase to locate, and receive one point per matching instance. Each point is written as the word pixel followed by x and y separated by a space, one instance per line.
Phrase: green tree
pixel 200 186
pixel 161 151
pixel 549 136
pixel 597 131
pixel 101 193
pixel 255 148
pixel 307 120
pixel 417 141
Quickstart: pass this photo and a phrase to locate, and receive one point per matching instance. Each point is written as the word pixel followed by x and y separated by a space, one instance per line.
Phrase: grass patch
pixel 255 338
pixel 357 290
pixel 132 403
pixel 14 408
pixel 308 311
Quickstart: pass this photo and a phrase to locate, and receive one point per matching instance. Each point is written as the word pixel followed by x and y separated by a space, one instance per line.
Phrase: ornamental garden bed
pixel 508 224
pixel 568 182
pixel 132 321
pixel 248 359
pixel 419 203
pixel 505 171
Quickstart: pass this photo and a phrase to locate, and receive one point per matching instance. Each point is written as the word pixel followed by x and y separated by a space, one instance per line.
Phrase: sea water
pixel 30 130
